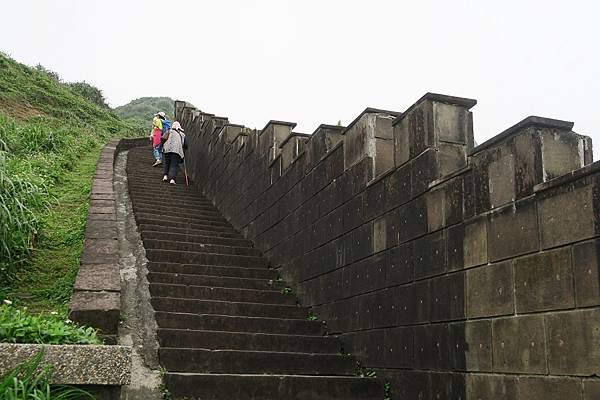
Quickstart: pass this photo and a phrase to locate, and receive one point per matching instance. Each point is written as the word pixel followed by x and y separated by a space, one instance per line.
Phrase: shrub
pixel 19 326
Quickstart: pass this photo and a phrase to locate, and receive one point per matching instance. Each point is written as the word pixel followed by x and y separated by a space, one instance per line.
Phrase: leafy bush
pixel 31 381
pixel 19 326
pixel 90 92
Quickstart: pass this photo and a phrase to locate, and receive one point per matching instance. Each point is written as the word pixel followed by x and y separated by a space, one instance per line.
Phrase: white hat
pixel 160 114
pixel 177 126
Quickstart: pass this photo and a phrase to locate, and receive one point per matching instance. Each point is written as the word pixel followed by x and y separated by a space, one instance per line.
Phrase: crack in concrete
pixel 137 327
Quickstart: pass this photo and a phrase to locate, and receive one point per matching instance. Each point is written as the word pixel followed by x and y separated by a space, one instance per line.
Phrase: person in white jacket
pixel 174 144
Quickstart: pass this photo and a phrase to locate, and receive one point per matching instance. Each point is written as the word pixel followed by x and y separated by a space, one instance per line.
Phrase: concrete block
pixel 478 345
pixel 519 345
pixel 490 290
pixel 379 234
pixel 445 385
pixel 448 297
pixel 73 364
pixel 99 310
pixel 398 343
pixel 574 342
pixel 400 267
pixel 410 385
pixel 98 277
pixel 591 389
pixel 392 226
pixel 384 156
pixel 492 387
pixel 563 152
pixel 413 220
pixel 513 231
pixel 429 255
pixel 549 388
pixel 424 170
pixel 445 204
pixel 452 123
pixel 586 273
pixel 362 135
pixel 451 158
pixel 422 301
pixel 100 251
pixel 544 281
pixel 567 216
pixel 397 188
pixel 375 199
pixel 501 173
pixel 455 236
pixel 475 245
pixel 405 303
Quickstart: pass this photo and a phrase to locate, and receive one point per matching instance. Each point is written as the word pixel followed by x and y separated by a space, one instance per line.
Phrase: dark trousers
pixel 171 164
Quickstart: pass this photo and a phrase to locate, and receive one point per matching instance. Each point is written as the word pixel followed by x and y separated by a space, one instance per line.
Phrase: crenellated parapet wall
pixel 455 271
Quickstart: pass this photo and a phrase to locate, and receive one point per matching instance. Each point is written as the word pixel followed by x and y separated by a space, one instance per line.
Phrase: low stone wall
pixel 96 300
pixel 455 271
pixel 99 369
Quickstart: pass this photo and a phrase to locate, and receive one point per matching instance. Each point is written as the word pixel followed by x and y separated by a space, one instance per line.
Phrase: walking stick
pixel 187 182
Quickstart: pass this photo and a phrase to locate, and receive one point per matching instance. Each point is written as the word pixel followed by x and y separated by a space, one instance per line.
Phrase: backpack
pixel 166 124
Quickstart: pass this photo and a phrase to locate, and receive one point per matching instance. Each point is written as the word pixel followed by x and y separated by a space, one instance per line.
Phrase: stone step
pixel 196 306
pixel 143 201
pixel 165 229
pixel 213 270
pixel 183 220
pixel 220 293
pixel 158 221
pixel 168 198
pixel 193 257
pixel 271 387
pixel 230 323
pixel 215 281
pixel 203 239
pixel 174 212
pixel 251 341
pixel 200 247
pixel 145 198
pixel 157 187
pixel 254 362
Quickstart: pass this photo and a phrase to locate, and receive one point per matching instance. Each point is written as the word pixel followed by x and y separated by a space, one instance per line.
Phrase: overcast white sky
pixel 315 62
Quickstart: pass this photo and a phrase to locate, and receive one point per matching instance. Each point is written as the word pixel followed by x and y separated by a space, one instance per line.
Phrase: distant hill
pixel 143 109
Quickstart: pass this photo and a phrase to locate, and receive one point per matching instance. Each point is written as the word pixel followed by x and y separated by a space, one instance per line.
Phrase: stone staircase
pixel 227 326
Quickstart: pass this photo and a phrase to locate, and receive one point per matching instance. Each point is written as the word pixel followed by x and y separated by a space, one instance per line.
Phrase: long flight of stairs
pixel 227 328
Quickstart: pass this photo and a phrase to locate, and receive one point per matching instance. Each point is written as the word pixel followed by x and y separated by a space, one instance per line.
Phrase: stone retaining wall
pixel 101 370
pixel 455 271
pixel 96 300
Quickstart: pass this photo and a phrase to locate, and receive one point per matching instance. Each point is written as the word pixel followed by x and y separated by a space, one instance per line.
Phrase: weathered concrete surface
pixel 138 326
pixel 96 300
pixel 73 364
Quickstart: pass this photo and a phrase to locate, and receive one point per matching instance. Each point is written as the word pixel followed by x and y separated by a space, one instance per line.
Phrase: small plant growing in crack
pixel 365 372
pixel 311 317
pixel 164 392
pixel 387 391
pixel 286 290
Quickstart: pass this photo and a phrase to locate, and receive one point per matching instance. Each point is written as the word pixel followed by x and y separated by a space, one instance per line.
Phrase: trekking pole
pixel 187 182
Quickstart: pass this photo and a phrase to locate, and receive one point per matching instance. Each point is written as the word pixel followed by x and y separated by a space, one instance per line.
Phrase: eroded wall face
pixel 459 273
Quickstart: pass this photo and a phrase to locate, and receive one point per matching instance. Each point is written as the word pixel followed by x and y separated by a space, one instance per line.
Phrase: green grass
pixel 46 281
pixel 18 325
pixel 50 138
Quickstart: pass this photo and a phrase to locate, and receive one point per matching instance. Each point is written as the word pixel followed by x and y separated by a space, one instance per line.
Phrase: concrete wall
pixel 456 272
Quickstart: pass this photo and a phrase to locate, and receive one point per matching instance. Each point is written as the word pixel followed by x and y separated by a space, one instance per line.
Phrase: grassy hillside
pixel 143 109
pixel 140 111
pixel 50 137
